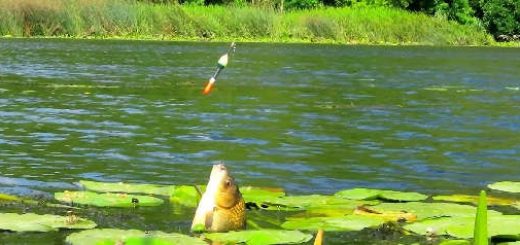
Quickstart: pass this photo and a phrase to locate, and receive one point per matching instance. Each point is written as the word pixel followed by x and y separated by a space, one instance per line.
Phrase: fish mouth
pixel 219 167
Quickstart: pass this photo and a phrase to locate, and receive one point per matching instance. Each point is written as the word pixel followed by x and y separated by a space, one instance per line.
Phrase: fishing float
pixel 221 64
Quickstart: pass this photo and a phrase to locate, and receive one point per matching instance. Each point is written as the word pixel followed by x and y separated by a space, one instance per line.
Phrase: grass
pixel 130 19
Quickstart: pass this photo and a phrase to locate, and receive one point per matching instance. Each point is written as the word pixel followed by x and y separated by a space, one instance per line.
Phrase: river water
pixel 308 118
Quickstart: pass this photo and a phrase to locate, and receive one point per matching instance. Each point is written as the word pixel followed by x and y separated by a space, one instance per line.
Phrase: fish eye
pixel 227 183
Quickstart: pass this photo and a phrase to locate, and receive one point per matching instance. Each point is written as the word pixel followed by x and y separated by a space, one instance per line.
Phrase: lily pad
pixel 431 210
pixel 358 194
pixel 506 186
pixel 314 202
pixel 474 199
pixel 186 195
pixel 31 222
pixel 107 199
pixel 371 194
pixel 346 223
pixel 260 194
pixel 162 190
pixel 137 237
pixel 462 227
pixel 401 216
pixel 8 198
pixel 260 237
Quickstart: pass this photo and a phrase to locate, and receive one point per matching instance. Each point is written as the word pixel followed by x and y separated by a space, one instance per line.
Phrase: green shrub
pixel 302 4
pixel 501 17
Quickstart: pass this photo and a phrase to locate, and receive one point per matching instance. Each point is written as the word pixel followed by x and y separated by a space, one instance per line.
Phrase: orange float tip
pixel 209 86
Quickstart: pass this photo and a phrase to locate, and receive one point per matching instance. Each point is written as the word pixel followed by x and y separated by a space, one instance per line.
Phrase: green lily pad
pixel 358 194
pixel 260 237
pixel 106 199
pixel 314 202
pixel 507 186
pixel 474 199
pixel 9 198
pixel 260 194
pixel 31 222
pixel 137 237
pixel 462 227
pixel 431 210
pixel 162 190
pixel 371 194
pixel 346 223
pixel 187 195
pixel 402 196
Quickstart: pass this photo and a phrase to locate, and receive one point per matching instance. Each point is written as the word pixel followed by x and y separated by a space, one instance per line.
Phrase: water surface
pixel 308 118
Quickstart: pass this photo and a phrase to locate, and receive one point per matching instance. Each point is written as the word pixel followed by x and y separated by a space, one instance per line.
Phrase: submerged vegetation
pixel 143 20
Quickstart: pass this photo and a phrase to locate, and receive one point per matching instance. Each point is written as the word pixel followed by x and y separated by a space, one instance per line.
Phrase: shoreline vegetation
pixel 119 19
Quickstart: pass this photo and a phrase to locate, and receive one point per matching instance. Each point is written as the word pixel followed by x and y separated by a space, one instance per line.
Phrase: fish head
pixel 227 193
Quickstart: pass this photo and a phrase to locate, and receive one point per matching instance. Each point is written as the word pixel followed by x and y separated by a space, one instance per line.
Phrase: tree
pixel 501 17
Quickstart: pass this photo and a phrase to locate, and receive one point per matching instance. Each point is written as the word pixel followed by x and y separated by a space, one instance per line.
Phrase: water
pixel 308 118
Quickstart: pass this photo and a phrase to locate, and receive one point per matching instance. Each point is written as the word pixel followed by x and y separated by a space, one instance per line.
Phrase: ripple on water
pixel 219 137
pixel 48 137
pixel 308 136
pixel 90 134
pixel 47 111
pixel 9 181
pixel 182 156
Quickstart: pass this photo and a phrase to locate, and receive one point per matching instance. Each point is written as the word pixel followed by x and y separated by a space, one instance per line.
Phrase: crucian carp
pixel 221 207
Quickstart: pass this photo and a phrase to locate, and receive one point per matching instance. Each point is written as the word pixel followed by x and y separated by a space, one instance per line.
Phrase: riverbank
pixel 137 20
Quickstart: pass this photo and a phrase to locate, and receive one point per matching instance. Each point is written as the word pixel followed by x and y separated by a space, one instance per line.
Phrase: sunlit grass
pixel 131 19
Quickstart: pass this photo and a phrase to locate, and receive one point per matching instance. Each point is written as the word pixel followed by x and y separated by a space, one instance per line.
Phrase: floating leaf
pixel 346 223
pixel 9 198
pixel 474 199
pixel 314 202
pixel 358 194
pixel 402 196
pixel 107 199
pixel 260 194
pixel 260 237
pixel 163 190
pixel 431 210
pixel 186 195
pixel 386 215
pixel 507 186
pixel 462 227
pixel 128 237
pixel 31 222
pixel 259 219
pixel 370 194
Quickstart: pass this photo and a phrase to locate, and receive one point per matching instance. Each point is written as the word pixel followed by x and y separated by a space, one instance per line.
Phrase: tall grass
pixel 132 19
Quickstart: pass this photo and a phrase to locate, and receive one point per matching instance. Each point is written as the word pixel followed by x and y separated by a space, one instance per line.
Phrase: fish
pixel 222 207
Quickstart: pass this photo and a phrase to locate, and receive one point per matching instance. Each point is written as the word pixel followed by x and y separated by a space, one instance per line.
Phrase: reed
pixel 133 19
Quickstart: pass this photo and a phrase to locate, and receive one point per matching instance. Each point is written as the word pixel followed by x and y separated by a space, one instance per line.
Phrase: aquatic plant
pixel 480 236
